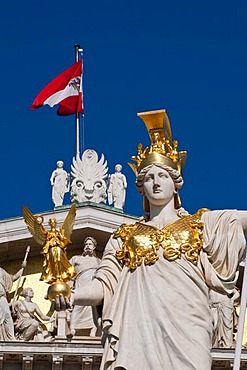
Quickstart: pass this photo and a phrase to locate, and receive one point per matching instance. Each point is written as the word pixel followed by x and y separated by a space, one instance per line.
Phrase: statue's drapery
pixel 6 322
pixel 82 316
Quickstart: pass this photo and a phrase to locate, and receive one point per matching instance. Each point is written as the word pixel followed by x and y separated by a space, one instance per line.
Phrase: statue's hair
pixel 25 290
pixel 174 174
pixel 181 212
pixel 90 238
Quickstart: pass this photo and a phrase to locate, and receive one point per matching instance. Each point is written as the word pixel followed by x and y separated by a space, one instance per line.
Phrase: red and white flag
pixel 65 90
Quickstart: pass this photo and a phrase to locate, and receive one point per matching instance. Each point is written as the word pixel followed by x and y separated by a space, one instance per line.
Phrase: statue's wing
pixel 68 224
pixel 34 224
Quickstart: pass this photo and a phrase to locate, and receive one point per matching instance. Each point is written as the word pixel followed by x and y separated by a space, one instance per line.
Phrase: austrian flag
pixel 65 90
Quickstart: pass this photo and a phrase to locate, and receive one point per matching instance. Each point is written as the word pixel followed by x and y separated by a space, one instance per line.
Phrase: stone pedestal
pixel 62 325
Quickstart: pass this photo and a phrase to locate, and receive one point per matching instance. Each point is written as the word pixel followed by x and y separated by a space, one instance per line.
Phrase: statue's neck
pixel 163 215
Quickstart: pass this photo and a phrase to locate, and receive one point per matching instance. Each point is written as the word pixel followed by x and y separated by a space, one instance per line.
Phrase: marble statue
pixel 117 185
pixel 56 265
pixel 6 322
pixel 60 182
pixel 223 308
pixel 155 276
pixel 89 176
pixel 85 266
pixel 26 315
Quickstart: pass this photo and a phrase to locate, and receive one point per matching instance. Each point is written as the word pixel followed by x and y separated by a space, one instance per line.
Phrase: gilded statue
pixel 56 266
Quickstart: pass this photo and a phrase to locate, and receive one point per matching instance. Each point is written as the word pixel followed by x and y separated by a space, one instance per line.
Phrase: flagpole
pixel 77 115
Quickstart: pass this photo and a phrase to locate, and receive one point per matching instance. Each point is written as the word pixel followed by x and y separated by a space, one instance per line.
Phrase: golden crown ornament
pixel 163 150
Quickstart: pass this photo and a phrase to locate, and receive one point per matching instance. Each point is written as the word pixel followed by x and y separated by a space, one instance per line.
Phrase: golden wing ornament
pixel 68 224
pixel 34 224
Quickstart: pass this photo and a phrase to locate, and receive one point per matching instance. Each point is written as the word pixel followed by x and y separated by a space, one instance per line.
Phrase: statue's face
pixel 89 189
pixel 90 153
pixel 158 186
pixel 53 222
pixel 118 168
pixel 30 292
pixel 89 246
pixel 59 164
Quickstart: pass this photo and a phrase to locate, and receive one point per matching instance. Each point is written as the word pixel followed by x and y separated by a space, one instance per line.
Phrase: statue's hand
pixel 60 303
pixel 24 264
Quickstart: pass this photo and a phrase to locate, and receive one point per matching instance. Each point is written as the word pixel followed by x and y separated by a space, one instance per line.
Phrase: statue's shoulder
pixel 125 231
pixel 192 220
pixel 200 212
pixel 16 304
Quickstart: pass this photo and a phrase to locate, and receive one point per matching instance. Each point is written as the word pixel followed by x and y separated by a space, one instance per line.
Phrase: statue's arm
pixel 106 278
pixel 15 306
pixel 242 215
pixel 124 182
pixel 19 273
pixel 90 294
pixel 41 315
pixel 52 177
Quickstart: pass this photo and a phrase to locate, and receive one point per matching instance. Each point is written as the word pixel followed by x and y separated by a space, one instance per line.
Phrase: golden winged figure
pixel 56 265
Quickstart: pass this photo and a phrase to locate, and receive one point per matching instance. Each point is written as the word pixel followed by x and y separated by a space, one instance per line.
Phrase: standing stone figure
pixel 6 322
pixel 155 276
pixel 26 316
pixel 117 188
pixel 60 184
pixel 85 266
pixel 223 308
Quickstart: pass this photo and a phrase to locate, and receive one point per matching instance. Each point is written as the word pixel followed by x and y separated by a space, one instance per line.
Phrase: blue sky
pixel 189 57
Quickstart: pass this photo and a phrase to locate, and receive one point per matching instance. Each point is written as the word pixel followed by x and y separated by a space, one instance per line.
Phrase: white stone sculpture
pixel 89 178
pixel 6 322
pixel 117 185
pixel 85 265
pixel 155 276
pixel 223 308
pixel 26 316
pixel 60 182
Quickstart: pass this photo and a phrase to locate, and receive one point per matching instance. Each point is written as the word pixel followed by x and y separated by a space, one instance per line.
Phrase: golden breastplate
pixel 141 242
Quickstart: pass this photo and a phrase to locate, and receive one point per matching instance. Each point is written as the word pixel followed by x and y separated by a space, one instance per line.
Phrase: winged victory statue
pixel 57 269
